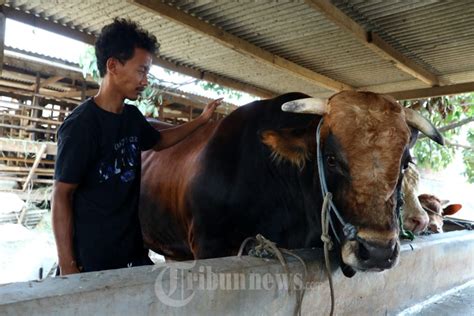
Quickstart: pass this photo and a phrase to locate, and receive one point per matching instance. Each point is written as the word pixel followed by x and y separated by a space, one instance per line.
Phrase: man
pixel 98 165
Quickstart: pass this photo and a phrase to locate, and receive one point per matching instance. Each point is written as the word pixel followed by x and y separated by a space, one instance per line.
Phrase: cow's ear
pixel 287 144
pixel 451 209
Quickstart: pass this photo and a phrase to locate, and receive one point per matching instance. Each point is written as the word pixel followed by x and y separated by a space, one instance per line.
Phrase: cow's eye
pixel 331 160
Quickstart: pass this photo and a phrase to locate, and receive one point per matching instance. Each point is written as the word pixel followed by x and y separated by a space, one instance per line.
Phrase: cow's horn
pixel 307 105
pixel 416 120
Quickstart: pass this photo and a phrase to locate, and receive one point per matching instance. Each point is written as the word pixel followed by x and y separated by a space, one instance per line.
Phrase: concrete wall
pixel 428 266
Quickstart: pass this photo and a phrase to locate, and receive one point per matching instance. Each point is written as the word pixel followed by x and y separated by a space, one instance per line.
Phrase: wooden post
pixel 35 102
pixel 2 39
pixel 22 215
pixel 190 113
pixel 35 165
pixel 83 91
pixel 161 112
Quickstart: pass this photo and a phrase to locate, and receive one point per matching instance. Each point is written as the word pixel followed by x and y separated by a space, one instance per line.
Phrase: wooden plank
pixel 17 106
pixel 40 153
pixel 26 169
pixel 239 45
pixel 76 93
pixel 42 92
pixel 26 146
pixel 48 181
pixel 32 119
pixel 157 60
pixel 47 82
pixel 373 41
pixel 433 92
pixel 29 129
pixel 25 160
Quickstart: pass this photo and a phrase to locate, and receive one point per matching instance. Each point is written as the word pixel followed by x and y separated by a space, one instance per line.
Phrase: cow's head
pixel 365 139
pixel 415 218
pixel 436 209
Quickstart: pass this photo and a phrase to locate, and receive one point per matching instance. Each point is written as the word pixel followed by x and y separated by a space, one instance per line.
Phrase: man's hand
pixel 69 269
pixel 210 108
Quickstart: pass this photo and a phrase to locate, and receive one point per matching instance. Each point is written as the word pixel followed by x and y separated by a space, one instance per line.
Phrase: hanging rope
pixel 328 245
pixel 265 248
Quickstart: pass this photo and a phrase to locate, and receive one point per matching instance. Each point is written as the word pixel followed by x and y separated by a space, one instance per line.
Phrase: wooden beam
pixel 32 119
pixel 26 146
pixel 75 93
pixel 43 92
pixel 41 67
pixel 239 45
pixel 40 153
pixel 28 129
pixel 16 106
pixel 21 89
pixel 48 181
pixel 12 169
pixel 373 41
pixel 433 92
pixel 47 82
pixel 25 161
pixel 89 38
pixel 2 39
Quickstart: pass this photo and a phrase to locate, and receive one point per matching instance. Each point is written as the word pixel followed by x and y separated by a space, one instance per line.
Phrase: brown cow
pixel 415 218
pixel 436 210
pixel 255 172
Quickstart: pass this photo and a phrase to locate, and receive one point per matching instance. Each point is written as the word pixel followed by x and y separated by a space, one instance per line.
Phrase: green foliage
pixel 221 91
pixel 443 111
pixel 88 63
pixel 468 157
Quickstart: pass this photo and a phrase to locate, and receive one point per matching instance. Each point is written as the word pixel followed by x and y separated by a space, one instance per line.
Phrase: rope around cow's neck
pixel 264 247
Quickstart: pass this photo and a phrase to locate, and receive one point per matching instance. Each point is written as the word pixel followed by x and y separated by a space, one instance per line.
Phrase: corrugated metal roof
pixel 436 35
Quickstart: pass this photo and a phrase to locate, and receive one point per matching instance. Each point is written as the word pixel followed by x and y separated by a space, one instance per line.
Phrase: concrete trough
pixel 428 266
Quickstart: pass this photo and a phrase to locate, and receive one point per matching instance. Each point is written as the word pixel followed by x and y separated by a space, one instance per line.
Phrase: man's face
pixel 131 77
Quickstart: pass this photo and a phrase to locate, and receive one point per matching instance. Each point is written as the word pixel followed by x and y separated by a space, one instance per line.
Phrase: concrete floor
pixel 460 303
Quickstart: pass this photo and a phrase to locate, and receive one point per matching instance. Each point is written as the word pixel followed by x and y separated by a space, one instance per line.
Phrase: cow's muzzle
pixel 371 255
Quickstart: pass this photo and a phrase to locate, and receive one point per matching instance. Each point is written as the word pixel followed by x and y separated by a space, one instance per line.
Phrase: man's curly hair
pixel 119 40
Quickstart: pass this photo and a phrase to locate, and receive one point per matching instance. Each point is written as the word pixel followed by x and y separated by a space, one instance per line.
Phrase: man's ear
pixel 287 144
pixel 451 209
pixel 112 64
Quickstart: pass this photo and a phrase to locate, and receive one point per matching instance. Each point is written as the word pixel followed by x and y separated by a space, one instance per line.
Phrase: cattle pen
pixel 429 266
pixel 413 51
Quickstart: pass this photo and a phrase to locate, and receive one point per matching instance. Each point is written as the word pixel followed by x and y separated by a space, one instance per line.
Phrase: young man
pixel 98 165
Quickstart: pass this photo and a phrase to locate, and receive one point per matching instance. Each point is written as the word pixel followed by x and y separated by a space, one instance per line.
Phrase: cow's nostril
pixel 415 222
pixel 363 252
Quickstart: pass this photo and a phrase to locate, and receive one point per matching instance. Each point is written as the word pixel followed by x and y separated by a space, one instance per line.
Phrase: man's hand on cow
pixel 210 108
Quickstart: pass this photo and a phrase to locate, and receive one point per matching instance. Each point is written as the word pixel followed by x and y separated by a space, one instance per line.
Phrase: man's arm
pixel 62 221
pixel 171 136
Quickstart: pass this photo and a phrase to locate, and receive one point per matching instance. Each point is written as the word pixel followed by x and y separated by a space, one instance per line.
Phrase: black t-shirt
pixel 100 151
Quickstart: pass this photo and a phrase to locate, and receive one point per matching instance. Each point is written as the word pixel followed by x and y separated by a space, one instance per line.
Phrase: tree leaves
pixel 444 111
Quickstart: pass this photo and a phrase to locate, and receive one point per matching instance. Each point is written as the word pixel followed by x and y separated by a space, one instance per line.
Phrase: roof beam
pixel 373 41
pixel 239 45
pixel 433 92
pixel 47 82
pixel 89 38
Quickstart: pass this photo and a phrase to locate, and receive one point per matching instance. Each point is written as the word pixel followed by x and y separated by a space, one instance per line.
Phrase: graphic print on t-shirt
pixel 123 162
